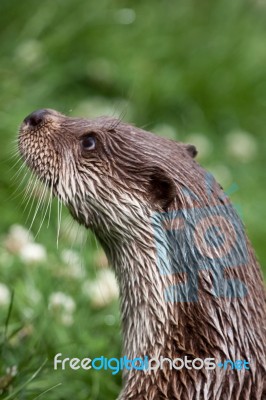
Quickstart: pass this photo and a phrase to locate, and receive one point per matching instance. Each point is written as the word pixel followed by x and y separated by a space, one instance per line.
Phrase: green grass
pixel 175 67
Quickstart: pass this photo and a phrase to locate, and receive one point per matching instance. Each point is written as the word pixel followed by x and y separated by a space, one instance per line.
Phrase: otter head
pixel 109 174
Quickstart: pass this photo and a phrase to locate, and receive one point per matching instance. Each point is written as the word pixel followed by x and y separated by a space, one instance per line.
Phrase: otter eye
pixel 88 142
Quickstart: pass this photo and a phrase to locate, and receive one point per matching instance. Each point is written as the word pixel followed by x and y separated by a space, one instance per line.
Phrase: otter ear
pixel 162 187
pixel 192 151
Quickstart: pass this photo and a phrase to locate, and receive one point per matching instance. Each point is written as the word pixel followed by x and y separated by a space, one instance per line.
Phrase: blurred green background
pixel 191 71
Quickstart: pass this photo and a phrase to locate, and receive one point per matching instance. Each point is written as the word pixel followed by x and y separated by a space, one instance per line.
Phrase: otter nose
pixel 35 118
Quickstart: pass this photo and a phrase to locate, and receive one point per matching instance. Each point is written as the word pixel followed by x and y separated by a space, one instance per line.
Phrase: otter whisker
pixel 15 176
pixel 20 189
pixel 28 192
pixel 14 152
pixel 50 200
pixel 59 218
pixel 31 188
pixel 115 124
pixel 18 160
pixel 40 201
pixel 47 206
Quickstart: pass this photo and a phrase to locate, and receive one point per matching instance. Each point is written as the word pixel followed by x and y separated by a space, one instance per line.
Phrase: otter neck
pixel 145 314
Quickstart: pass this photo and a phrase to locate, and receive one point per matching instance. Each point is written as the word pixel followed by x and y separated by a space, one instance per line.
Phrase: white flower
pixel 60 301
pixel 33 253
pixel 110 319
pixel 20 241
pixel 29 52
pixel 62 306
pixel 5 295
pixel 241 146
pixel 75 268
pixel 125 16
pixel 17 238
pixel 12 370
pixel 202 144
pixel 103 290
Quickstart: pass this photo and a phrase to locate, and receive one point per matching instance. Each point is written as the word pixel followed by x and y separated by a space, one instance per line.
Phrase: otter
pixel 190 285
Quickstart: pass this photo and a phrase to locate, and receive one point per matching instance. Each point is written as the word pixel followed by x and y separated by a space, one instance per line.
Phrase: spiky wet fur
pixel 116 190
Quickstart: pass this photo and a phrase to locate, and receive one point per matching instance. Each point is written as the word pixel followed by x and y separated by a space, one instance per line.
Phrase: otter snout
pixel 35 118
pixel 39 117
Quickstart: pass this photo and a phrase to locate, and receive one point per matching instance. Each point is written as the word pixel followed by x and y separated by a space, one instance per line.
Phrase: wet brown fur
pixel 114 190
